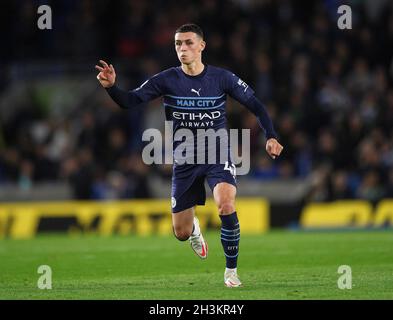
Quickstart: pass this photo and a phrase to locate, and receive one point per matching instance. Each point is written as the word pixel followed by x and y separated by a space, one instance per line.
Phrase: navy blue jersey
pixel 195 102
pixel 197 105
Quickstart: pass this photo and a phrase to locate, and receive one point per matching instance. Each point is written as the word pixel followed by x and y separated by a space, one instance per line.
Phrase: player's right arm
pixel 149 90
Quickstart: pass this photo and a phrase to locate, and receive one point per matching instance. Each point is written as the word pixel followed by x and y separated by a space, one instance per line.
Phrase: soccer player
pixel 194 96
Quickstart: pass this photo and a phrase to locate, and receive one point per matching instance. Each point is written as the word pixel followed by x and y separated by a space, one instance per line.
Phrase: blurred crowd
pixel 328 91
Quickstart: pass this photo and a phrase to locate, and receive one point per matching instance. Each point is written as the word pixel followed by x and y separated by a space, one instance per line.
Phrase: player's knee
pixel 181 233
pixel 226 207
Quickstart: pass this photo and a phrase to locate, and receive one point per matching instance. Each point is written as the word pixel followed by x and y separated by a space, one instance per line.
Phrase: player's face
pixel 189 47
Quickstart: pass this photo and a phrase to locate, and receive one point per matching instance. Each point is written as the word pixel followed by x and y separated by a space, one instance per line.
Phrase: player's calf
pixel 183 224
pixel 182 233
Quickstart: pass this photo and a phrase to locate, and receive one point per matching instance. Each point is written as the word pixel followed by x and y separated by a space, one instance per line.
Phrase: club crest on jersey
pixel 173 202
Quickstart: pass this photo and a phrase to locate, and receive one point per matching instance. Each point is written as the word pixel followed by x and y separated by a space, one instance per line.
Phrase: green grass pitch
pixel 276 265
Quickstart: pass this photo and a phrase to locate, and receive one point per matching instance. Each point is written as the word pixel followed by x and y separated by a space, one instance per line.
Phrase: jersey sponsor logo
pixel 196 91
pixel 196 116
pixel 196 120
pixel 204 124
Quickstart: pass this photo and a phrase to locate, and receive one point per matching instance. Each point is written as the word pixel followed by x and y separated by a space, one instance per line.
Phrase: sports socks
pixel 195 230
pixel 230 236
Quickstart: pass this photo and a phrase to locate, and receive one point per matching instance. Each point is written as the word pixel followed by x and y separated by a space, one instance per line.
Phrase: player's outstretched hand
pixel 107 75
pixel 273 148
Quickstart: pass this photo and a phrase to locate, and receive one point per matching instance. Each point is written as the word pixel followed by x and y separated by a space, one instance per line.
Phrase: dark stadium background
pixel 328 91
pixel 76 197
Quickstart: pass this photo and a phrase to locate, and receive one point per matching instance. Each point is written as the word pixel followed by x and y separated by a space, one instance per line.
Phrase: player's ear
pixel 203 45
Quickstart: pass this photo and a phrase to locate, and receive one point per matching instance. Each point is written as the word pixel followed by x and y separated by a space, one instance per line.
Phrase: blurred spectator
pixel 79 170
pixel 328 91
pixel 339 188
pixel 389 187
pixel 265 168
pixel 370 188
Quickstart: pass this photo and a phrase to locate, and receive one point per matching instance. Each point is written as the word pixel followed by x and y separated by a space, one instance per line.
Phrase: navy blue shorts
pixel 188 182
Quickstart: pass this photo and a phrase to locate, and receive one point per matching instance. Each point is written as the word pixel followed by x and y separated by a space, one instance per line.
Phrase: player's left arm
pixel 240 91
pixel 273 147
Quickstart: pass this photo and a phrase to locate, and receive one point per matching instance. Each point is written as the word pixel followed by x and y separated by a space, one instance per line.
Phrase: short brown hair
pixel 190 27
